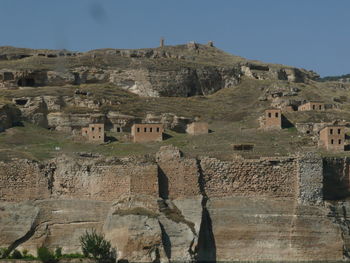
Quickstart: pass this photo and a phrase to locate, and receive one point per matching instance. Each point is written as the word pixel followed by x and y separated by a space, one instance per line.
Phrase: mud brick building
pixel 94 133
pixel 312 105
pixel 332 138
pixel 273 119
pixel 147 132
pixel 197 128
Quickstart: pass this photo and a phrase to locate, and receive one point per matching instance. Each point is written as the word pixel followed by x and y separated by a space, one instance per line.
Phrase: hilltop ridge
pixel 182 70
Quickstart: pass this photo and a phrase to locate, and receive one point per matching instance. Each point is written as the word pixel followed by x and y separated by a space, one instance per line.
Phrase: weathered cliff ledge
pixel 174 208
pixel 181 71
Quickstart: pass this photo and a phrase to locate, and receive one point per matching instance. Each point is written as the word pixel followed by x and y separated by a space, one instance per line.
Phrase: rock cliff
pixel 176 208
pixel 168 71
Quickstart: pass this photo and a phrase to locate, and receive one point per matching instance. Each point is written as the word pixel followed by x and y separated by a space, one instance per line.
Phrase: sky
pixel 311 34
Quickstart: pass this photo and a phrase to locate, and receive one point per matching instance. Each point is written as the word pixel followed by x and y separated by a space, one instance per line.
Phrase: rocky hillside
pixel 182 71
pixel 343 78
pixel 210 202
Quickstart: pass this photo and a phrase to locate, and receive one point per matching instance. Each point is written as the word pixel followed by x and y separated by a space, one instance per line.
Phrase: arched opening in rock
pixel 28 82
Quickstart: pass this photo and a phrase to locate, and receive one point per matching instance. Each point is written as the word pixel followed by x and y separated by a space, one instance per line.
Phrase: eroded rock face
pixel 184 70
pixel 178 208
pixel 9 116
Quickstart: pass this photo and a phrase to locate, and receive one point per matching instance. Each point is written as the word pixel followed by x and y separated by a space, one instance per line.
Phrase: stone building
pixel 147 132
pixel 311 106
pixel 197 128
pixel 94 133
pixel 273 119
pixel 332 138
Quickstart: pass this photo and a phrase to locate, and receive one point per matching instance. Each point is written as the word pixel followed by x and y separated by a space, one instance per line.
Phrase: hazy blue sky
pixel 313 34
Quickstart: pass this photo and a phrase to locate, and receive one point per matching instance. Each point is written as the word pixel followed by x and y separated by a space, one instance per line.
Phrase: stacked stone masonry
pixel 274 177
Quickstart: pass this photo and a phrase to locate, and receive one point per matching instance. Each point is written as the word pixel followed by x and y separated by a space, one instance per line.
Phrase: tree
pixel 94 245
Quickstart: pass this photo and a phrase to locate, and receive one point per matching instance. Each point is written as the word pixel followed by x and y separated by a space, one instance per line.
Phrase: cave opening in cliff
pixel 21 102
pixel 26 82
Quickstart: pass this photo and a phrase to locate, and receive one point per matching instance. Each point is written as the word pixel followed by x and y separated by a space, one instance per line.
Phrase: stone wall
pixel 80 178
pixel 274 177
pixel 143 179
pixel 178 176
pixel 23 180
pixel 105 181
pixel 336 178
pixel 310 183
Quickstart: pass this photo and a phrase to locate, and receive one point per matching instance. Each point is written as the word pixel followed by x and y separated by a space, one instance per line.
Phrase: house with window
pixel 273 119
pixel 147 132
pixel 332 138
pixel 94 133
pixel 312 106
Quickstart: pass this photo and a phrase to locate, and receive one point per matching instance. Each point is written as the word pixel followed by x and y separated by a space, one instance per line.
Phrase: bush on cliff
pixel 95 246
pixel 16 254
pixel 46 255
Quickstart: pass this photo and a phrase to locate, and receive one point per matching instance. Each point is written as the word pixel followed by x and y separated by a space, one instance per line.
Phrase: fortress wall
pixel 143 179
pixel 91 182
pixel 274 177
pixel 81 179
pixel 178 176
pixel 310 179
pixel 336 178
pixel 22 180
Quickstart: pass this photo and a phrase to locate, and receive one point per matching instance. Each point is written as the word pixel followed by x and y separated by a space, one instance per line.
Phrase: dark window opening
pixel 338 131
pixel 269 114
pixel 331 131
pixel 30 82
pixel 8 76
pixel 92 128
pixel 99 137
pixel 339 141
pixel 243 147
pixel 118 129
pixel 145 129
pixel 158 129
pixel 307 132
pixel 150 129
pixel 21 101
pixel 93 137
pixel 320 107
pixel 313 107
pixel 276 114
pixel 332 141
pixel 138 129
pixel 99 129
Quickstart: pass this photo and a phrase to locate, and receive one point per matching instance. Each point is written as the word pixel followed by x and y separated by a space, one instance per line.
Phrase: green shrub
pixel 94 245
pixel 73 255
pixel 16 254
pixel 4 252
pixel 58 252
pixel 46 255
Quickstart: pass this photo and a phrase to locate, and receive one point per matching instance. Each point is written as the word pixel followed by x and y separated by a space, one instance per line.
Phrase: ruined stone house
pixel 273 119
pixel 147 132
pixel 197 128
pixel 332 138
pixel 94 133
pixel 312 106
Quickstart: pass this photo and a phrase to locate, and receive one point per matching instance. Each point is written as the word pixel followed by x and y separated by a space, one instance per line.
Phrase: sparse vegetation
pixel 95 246
pixel 46 255
pixel 16 254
